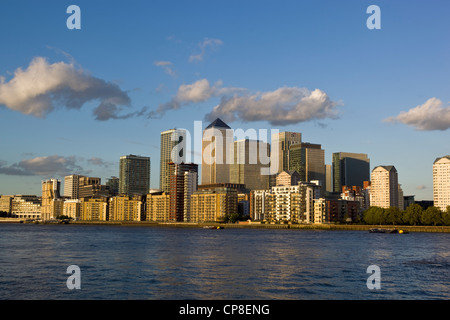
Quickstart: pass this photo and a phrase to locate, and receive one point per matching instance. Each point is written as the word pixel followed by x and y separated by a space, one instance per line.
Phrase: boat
pixel 212 227
pixel 382 230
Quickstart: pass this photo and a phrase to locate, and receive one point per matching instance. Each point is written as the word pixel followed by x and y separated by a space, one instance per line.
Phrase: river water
pixel 158 263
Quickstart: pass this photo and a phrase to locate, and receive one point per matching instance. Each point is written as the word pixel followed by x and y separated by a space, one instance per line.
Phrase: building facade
pixel 134 175
pixel 52 203
pixel 126 208
pixel 441 182
pixel 172 150
pixel 158 207
pixel 183 182
pixel 384 187
pixel 350 169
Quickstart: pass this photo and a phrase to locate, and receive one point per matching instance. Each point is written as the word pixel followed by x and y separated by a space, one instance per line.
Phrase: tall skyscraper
pixel 441 182
pixel 308 159
pixel 350 169
pixel 173 149
pixel 134 175
pixel 384 190
pixel 217 142
pixel 283 141
pixel 249 158
pixel 182 184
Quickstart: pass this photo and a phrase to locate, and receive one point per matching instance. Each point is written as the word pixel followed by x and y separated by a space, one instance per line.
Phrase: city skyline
pixel 151 68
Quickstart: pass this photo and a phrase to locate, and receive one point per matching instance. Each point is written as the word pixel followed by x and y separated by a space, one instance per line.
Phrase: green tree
pixel 412 214
pixel 431 216
pixel 393 215
pixel 374 215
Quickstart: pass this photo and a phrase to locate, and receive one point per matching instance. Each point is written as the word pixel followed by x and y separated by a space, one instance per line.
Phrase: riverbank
pixel 253 225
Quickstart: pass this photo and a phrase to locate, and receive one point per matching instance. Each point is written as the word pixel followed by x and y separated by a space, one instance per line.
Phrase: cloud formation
pixel 426 117
pixel 42 87
pixel 197 92
pixel 203 46
pixel 167 67
pixel 283 106
pixel 43 166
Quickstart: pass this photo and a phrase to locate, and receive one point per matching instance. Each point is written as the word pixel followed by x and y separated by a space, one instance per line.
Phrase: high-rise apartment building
pixel 158 206
pixel 134 175
pixel 350 169
pixel 172 149
pixel 441 182
pixel 183 182
pixel 384 187
pixel 125 208
pixel 213 203
pixel 250 157
pixel 217 142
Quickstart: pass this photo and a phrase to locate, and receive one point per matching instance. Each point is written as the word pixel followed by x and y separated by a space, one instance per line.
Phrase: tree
pixel 431 216
pixel 374 215
pixel 393 215
pixel 412 214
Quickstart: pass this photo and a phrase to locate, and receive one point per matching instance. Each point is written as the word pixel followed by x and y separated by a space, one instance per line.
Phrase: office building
pixel 91 187
pixel 217 144
pixel 5 204
pixel 113 185
pixel 134 178
pixel 26 207
pixel 283 141
pixel 173 149
pixel 350 169
pixel 71 186
pixel 441 182
pixel 308 159
pixel 248 163
pixel 384 187
pixel 288 178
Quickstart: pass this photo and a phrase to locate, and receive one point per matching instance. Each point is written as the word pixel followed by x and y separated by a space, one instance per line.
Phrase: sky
pixel 75 100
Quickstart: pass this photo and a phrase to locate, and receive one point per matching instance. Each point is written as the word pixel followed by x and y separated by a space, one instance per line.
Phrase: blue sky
pixel 156 65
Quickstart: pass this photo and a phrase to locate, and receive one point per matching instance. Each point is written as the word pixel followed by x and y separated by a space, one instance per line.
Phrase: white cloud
pixel 283 106
pixel 42 87
pixel 426 117
pixel 205 44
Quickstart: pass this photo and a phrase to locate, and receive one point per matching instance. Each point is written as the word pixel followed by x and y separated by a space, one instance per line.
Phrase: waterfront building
pixel 72 208
pixel 91 187
pixel 134 175
pixel 350 169
pixel 327 210
pixel 126 208
pixel 249 159
pixel 384 187
pixel 259 204
pixel 94 209
pixel 52 204
pixel 217 144
pixel 441 182
pixel 26 207
pixel 5 204
pixel 213 203
pixel 183 182
pixel 172 150
pixel 158 206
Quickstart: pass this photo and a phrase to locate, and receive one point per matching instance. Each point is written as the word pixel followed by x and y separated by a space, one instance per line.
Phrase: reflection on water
pixel 119 262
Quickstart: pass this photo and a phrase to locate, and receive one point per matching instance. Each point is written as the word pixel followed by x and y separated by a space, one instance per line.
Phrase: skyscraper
pixel 384 190
pixel 283 141
pixel 217 142
pixel 71 186
pixel 52 204
pixel 249 158
pixel 308 159
pixel 182 184
pixel 350 169
pixel 441 182
pixel 134 175
pixel 173 145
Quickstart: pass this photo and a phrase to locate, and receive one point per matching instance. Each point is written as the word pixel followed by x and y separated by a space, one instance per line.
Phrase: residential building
pixel 172 149
pixel 94 209
pixel 350 169
pixel 384 187
pixel 288 178
pixel 327 210
pixel 183 182
pixel 158 206
pixel 72 208
pixel 52 203
pixel 126 208
pixel 441 182
pixel 134 175
pixel 91 187
pixel 259 204
pixel 214 203
pixel 5 204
